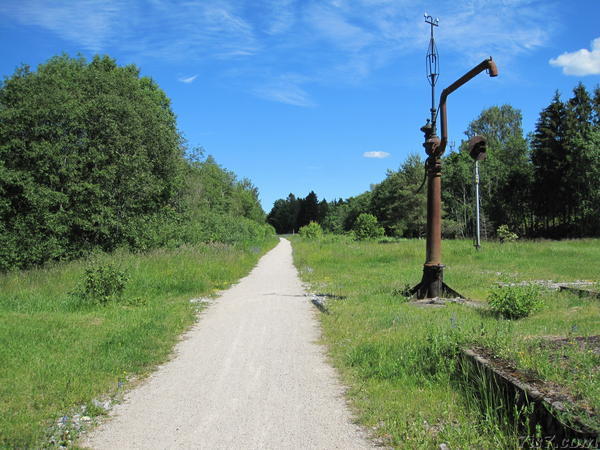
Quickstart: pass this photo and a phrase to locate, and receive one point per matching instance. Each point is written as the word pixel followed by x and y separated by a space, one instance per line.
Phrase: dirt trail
pixel 248 375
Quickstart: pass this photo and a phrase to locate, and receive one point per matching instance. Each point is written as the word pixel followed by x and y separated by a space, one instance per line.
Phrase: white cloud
pixel 379 155
pixel 582 62
pixel 187 79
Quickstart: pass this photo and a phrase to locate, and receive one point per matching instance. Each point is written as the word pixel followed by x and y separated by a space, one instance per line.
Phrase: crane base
pixel 432 284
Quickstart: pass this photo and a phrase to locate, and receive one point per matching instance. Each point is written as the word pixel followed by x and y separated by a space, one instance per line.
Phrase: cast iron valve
pixel 477 148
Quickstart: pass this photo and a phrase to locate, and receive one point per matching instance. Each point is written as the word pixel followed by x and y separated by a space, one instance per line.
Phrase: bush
pixel 224 228
pixel 311 231
pixel 86 149
pixel 366 227
pixel 451 229
pixel 505 235
pixel 515 302
pixel 102 283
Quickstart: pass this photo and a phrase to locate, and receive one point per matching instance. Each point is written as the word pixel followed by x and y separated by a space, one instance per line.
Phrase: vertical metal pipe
pixel 434 207
pixel 478 232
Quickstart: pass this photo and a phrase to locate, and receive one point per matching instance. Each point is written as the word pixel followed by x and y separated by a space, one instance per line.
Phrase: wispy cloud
pixel 90 23
pixel 327 42
pixel 277 16
pixel 506 29
pixel 287 89
pixel 332 24
pixel 378 155
pixel 155 28
pixel 187 79
pixel 581 62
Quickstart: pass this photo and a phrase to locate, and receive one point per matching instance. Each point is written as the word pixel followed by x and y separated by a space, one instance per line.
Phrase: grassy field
pixel 58 352
pixel 399 360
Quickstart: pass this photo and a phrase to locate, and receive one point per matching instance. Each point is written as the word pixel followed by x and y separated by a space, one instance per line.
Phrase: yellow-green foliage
pixel 311 231
pixel 366 227
pixel 515 302
pixel 505 235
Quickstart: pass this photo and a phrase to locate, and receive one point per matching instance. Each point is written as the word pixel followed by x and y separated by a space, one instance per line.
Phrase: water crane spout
pixel 492 69
pixel 486 64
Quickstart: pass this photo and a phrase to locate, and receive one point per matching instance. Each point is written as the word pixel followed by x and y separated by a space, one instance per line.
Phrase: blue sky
pixel 322 95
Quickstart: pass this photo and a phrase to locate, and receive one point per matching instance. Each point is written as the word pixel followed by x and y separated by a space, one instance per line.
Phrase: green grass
pixel 57 353
pixel 400 360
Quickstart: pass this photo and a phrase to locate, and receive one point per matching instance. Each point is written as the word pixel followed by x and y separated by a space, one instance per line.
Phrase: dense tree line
pixel 290 214
pixel 217 207
pixel 395 203
pixel 90 157
pixel 545 185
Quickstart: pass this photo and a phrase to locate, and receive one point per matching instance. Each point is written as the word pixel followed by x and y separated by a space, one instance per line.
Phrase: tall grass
pixel 400 360
pixel 57 353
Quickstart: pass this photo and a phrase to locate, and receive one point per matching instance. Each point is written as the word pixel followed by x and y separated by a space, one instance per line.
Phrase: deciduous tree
pixel 86 149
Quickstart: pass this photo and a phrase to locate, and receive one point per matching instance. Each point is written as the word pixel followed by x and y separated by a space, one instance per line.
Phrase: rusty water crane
pixel 432 284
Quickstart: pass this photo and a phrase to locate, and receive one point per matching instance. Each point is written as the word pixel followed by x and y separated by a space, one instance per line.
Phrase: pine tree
pixel 309 210
pixel 323 209
pixel 550 166
pixel 596 107
pixel 578 140
pixel 284 215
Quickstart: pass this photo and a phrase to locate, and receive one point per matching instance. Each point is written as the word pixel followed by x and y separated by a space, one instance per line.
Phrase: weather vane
pixel 432 66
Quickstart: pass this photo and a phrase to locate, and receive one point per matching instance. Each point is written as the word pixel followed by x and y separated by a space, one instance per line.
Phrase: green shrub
pixel 367 227
pixel 86 148
pixel 102 283
pixel 311 231
pixel 505 235
pixel 515 302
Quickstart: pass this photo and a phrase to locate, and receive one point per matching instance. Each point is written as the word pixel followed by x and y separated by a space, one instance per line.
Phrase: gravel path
pixel 248 375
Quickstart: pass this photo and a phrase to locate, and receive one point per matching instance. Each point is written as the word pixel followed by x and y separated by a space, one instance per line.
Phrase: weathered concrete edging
pixel 580 292
pixel 320 302
pixel 550 414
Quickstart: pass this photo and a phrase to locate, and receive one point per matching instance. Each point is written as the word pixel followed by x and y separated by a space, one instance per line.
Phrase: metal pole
pixel 478 235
